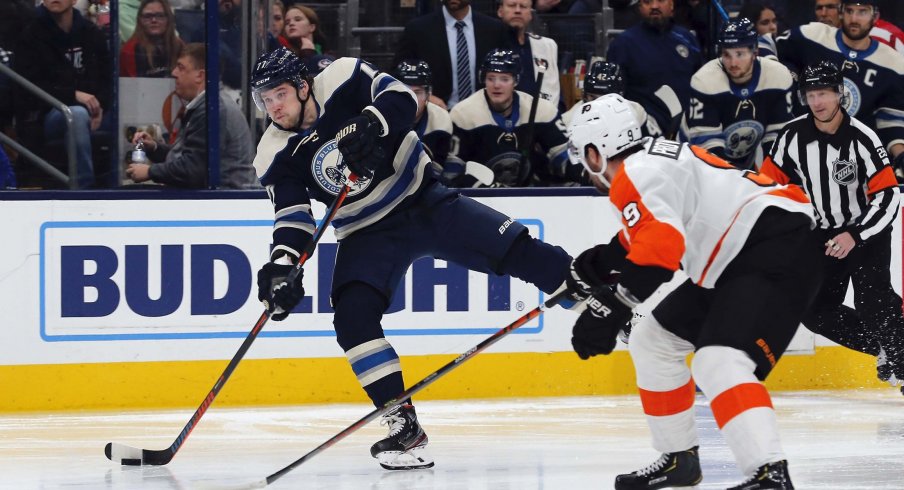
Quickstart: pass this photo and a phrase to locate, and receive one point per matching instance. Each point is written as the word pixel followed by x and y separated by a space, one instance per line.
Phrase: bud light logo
pixel 197 279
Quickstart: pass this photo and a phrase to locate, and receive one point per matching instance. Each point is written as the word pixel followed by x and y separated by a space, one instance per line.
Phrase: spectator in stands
pixel 569 6
pixel 606 78
pixel 277 23
pixel 436 37
pixel 658 59
pixel 184 163
pixel 153 48
pixel 828 12
pixel 302 31
pixel 536 51
pixel 762 14
pixel 128 17
pixel 431 122
pixel 68 58
pixel 491 131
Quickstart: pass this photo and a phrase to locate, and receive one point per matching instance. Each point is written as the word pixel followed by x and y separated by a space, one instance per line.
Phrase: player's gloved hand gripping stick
pixel 132 456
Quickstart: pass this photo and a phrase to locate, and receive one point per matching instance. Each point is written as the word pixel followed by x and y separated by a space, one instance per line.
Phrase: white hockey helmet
pixel 609 124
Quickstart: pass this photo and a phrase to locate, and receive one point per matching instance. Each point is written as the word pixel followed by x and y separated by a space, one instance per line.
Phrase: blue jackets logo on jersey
pixel 741 138
pixel 844 172
pixel 329 170
pixel 852 99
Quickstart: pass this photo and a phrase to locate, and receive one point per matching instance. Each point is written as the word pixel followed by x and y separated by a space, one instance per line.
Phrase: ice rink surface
pixel 843 440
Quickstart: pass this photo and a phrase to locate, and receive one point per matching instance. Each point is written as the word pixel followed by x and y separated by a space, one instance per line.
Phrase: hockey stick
pixel 529 137
pixel 721 10
pixel 127 455
pixel 420 385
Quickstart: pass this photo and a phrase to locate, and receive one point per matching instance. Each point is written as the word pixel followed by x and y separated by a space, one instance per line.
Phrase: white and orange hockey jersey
pixel 683 207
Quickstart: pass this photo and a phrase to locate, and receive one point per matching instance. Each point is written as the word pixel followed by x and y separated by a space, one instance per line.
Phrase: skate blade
pixel 412 459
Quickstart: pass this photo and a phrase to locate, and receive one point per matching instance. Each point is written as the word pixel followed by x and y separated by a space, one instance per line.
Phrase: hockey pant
pixel 739 402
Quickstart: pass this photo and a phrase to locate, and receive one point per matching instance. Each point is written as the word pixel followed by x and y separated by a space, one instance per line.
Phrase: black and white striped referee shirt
pixel 847 175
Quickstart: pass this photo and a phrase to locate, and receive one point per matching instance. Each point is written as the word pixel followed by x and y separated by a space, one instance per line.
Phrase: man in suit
pixel 467 37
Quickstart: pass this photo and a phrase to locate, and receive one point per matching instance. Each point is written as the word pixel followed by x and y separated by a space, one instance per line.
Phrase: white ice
pixel 844 440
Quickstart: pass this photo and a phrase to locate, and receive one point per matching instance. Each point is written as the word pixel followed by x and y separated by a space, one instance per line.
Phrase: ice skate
pixel 405 447
pixel 680 469
pixel 885 370
pixel 773 476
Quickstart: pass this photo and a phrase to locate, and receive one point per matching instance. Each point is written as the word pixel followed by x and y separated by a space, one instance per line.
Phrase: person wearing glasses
pixel 154 46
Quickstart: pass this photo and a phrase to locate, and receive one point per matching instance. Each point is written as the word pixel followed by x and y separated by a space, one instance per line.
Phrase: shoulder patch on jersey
pixel 774 75
pixel 472 112
pixel 820 33
pixel 546 111
pixel 438 119
pixel 710 79
pixel 886 57
pixel 333 76
pixel 665 148
pixel 272 142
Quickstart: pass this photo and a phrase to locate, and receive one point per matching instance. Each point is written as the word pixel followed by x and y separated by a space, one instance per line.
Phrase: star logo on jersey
pixel 844 172
pixel 330 171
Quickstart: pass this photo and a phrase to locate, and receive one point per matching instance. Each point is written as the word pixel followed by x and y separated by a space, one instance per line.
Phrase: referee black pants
pixel 877 317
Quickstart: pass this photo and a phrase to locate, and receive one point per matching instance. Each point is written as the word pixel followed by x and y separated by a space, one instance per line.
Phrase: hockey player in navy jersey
pixel 431 122
pixel 354 119
pixel 873 72
pixel 490 129
pixel 606 78
pixel 739 102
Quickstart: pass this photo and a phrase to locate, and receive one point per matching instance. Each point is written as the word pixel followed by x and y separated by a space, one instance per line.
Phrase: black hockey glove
pixel 588 273
pixel 357 142
pixel 597 328
pixel 277 295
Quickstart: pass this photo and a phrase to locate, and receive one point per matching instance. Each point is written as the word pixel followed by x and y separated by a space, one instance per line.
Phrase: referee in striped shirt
pixel 845 171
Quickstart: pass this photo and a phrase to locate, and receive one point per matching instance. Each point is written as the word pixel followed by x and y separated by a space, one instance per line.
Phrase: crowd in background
pixel 482 113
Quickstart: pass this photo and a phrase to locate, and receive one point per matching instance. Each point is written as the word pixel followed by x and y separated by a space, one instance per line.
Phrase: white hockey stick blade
pixel 233 486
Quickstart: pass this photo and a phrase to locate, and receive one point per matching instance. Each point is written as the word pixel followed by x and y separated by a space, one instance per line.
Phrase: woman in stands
pixel 154 46
pixel 302 31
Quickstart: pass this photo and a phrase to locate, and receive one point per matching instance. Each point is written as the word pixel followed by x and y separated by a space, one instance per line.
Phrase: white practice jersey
pixel 681 206
pixel 546 54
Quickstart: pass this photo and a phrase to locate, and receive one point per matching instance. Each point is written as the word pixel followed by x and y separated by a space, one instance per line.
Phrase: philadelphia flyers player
pixel 732 231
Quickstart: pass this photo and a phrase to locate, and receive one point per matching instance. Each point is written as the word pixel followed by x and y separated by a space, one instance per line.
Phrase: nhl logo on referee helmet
pixel 844 172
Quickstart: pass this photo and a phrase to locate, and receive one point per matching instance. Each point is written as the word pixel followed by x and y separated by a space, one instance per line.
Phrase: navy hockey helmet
pixel 824 74
pixel 739 33
pixel 501 61
pixel 604 78
pixel 275 68
pixel 414 72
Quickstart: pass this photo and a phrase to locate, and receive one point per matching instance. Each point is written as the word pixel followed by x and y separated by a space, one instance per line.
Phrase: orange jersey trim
pixel 664 403
pixel 771 170
pixel 737 400
pixel 792 192
pixel 651 242
pixel 881 180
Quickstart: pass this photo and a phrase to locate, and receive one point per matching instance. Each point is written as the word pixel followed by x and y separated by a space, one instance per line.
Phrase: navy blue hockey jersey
pixel 873 78
pixel 733 121
pixel 296 166
pixel 483 136
pixel 435 131
pixel 650 59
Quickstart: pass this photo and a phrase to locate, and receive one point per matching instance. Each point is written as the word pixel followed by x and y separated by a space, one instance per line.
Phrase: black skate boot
pixel 890 367
pixel 773 476
pixel 405 446
pixel 681 469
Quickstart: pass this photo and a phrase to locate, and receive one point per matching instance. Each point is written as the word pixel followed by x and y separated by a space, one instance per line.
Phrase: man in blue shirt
pixel 654 53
